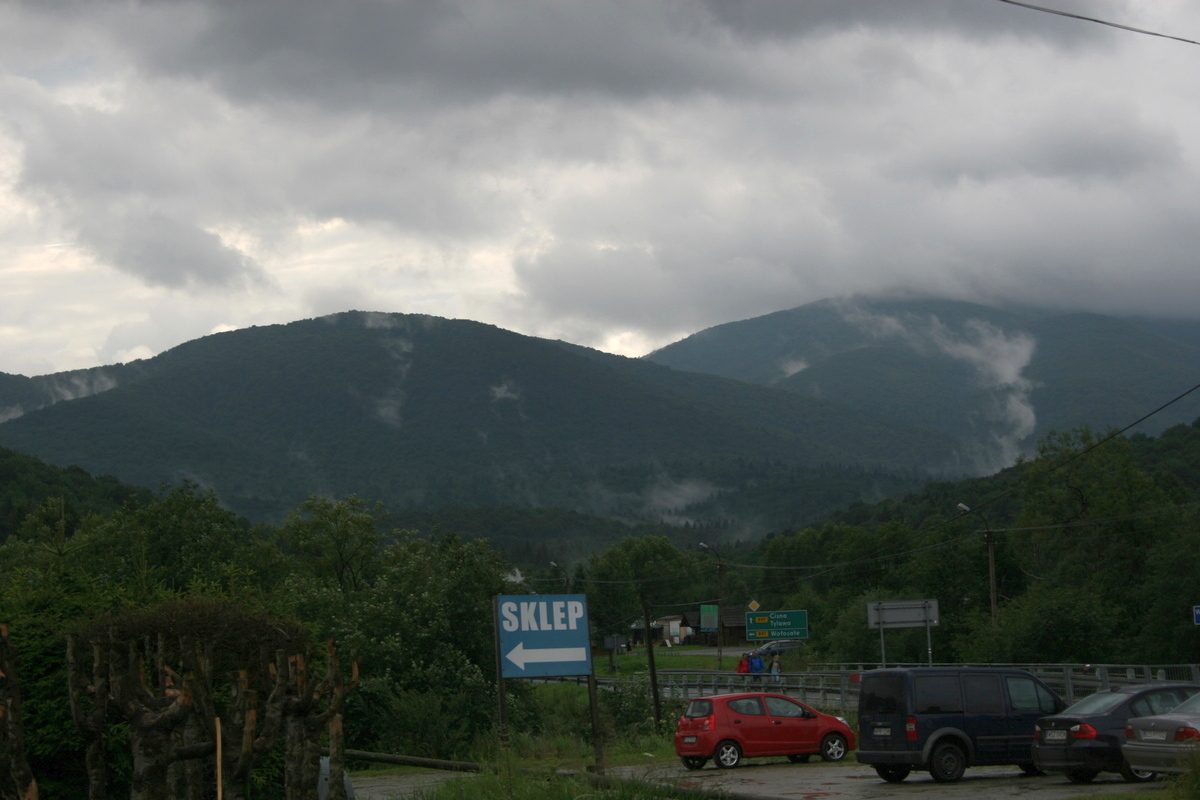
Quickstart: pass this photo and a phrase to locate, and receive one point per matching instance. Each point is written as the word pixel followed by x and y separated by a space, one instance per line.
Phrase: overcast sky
pixel 616 174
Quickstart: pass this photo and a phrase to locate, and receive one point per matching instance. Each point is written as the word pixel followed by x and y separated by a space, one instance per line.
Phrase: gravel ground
pixel 769 780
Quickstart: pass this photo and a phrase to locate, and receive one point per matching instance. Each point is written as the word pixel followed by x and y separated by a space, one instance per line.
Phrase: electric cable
pixel 1099 21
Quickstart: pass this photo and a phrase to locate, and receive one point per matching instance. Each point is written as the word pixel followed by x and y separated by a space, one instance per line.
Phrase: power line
pixel 883 552
pixel 1099 21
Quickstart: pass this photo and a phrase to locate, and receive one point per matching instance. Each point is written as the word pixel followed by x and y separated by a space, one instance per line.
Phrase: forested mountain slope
pixel 29 486
pixel 999 380
pixel 419 411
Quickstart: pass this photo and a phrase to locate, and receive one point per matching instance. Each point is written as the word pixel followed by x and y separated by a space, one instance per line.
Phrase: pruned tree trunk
pixel 250 730
pixel 12 725
pixel 309 713
pixel 152 722
pixel 187 777
pixel 89 707
pixel 177 724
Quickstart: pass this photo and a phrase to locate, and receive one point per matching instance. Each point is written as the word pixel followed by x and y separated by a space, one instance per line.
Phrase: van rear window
pixel 937 695
pixel 882 694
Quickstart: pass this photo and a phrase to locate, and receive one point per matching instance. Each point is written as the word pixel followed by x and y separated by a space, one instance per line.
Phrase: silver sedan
pixel 1164 742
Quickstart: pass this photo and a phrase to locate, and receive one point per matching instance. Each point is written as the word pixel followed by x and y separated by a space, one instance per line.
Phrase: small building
pixel 732 623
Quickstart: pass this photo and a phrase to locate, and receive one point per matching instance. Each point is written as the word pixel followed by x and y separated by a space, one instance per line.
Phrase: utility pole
pixel 720 602
pixel 650 661
pixel 991 554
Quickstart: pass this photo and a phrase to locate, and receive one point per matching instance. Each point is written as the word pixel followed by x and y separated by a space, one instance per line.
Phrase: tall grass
pixel 555 729
pixel 1186 785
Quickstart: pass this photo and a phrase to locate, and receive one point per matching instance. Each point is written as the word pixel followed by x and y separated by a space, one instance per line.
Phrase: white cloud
pixel 616 174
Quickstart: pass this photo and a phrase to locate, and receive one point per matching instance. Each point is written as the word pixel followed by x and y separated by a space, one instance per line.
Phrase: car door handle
pixel 737 722
pixel 777 721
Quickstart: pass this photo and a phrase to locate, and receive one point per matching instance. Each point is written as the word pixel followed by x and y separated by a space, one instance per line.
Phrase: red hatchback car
pixel 730 727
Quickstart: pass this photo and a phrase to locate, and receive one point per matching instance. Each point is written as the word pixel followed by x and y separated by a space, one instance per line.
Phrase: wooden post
pixel 220 762
pixel 653 670
pixel 501 691
pixel 597 730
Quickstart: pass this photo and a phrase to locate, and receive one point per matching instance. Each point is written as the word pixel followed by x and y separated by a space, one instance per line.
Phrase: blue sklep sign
pixel 543 635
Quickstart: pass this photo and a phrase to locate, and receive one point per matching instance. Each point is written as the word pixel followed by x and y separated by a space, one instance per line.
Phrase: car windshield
pixel 1098 703
pixel 1189 706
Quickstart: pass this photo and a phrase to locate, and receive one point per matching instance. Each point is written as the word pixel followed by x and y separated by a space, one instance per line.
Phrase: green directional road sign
pixel 776 625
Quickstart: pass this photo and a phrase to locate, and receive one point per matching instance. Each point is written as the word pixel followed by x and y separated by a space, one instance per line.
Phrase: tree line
pixel 163 610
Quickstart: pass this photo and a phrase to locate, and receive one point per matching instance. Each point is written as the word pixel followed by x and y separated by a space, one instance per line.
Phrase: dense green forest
pixel 420 412
pixel 1096 545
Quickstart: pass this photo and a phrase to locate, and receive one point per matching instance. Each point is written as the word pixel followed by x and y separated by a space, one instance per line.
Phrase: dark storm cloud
pixel 1090 141
pixel 979 19
pixel 342 55
pixel 592 170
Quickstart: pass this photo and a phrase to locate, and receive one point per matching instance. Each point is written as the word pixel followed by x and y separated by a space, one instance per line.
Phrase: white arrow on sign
pixel 520 656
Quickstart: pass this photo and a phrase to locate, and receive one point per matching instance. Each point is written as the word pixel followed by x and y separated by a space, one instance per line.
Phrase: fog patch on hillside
pixel 997 360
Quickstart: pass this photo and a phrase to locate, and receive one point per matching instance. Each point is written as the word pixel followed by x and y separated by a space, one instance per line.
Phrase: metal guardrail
pixel 835 687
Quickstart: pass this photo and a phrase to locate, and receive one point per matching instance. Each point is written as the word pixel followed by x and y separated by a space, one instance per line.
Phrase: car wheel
pixel 693 762
pixel 1082 775
pixel 948 763
pixel 798 758
pixel 1030 768
pixel 833 747
pixel 728 754
pixel 892 773
pixel 1136 775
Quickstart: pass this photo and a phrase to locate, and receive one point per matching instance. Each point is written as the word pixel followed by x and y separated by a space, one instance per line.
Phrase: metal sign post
pixel 543 636
pixel 903 614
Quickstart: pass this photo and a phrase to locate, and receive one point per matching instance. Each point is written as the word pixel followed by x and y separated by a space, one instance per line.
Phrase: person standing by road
pixel 775 668
pixel 756 665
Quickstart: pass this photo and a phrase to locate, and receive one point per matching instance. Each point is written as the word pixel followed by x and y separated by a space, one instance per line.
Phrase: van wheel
pixel 948 763
pixel 1082 775
pixel 833 747
pixel 728 754
pixel 693 762
pixel 892 773
pixel 1136 775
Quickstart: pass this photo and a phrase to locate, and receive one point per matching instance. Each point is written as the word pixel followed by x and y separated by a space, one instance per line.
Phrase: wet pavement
pixel 773 780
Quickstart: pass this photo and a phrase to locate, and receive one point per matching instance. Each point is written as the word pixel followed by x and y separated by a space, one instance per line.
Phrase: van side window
pixel 937 695
pixel 983 694
pixel 1029 696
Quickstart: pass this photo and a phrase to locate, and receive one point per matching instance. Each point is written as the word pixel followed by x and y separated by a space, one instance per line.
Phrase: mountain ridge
pixel 993 376
pixel 418 411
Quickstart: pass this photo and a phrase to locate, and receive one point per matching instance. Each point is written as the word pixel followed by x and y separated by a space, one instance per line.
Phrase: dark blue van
pixel 945 719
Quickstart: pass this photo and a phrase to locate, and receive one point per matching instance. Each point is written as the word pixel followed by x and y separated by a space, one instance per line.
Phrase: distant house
pixel 733 628
pixel 673 629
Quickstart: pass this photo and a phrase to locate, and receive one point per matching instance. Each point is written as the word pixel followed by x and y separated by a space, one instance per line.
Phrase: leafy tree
pixel 649 569
pixel 181 538
pixel 336 542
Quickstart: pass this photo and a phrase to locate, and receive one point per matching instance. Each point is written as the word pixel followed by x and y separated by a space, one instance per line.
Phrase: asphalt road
pixel 767 779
